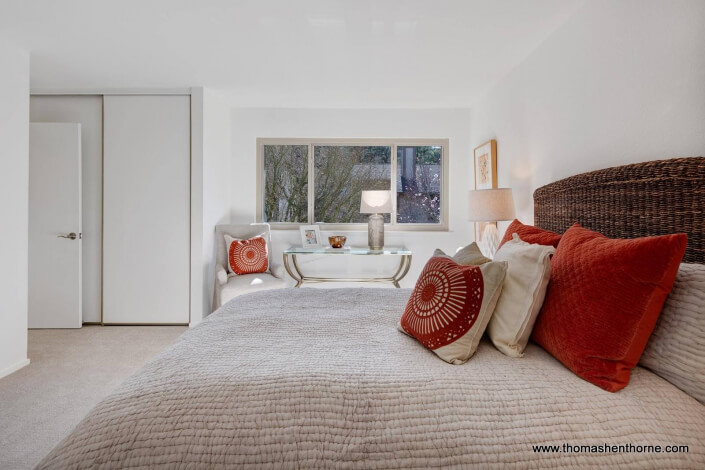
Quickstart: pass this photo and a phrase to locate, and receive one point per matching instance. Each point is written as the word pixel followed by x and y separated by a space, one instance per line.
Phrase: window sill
pixel 363 227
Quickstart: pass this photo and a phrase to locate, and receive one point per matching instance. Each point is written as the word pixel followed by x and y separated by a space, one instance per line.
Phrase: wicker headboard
pixel 651 198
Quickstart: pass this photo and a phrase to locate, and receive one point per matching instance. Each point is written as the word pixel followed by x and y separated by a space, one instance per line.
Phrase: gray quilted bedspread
pixel 320 378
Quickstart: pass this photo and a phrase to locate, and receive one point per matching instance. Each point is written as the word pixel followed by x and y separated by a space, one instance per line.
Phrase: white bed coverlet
pixel 321 378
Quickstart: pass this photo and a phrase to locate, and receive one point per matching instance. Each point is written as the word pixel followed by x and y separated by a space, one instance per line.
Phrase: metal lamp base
pixel 375 232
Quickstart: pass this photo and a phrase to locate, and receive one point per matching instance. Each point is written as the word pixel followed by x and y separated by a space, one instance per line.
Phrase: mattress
pixel 322 378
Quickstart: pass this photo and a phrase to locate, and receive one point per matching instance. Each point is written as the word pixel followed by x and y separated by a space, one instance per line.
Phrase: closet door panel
pixel 146 209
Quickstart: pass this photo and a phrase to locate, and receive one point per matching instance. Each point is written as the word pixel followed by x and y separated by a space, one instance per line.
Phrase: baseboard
pixel 13 368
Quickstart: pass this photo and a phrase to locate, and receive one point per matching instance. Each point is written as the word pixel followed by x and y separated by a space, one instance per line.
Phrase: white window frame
pixel 393 143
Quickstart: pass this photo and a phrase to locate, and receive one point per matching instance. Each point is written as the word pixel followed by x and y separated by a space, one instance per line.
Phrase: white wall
pixel 14 184
pixel 621 82
pixel 216 182
pixel 210 191
pixel 248 124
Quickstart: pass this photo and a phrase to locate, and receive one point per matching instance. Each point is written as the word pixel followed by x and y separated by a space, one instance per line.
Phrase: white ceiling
pixel 311 53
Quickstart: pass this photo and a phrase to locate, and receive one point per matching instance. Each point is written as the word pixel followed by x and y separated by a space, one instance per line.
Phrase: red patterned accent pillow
pixel 247 256
pixel 451 305
pixel 531 234
pixel 603 301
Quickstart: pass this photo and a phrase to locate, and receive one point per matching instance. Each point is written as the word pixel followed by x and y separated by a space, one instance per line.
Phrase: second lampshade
pixel 489 205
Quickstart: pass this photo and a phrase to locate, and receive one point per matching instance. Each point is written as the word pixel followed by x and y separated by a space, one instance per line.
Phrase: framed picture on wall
pixel 485 157
pixel 310 236
pixel 486 165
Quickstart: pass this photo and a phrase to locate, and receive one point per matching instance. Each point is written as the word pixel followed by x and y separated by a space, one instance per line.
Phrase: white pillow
pixel 522 294
pixel 676 349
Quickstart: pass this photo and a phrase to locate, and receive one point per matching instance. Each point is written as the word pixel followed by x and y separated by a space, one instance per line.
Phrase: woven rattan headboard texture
pixel 651 198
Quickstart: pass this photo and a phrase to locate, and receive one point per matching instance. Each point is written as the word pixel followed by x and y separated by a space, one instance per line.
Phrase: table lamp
pixel 488 205
pixel 376 203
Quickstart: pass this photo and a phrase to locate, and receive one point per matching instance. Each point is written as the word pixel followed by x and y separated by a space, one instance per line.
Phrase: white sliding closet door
pixel 146 209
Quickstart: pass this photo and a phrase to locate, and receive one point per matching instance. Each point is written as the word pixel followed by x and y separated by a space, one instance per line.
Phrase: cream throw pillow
pixel 522 294
pixel 470 255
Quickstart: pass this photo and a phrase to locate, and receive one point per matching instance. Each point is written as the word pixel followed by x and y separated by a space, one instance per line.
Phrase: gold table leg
pixel 300 278
pixel 404 266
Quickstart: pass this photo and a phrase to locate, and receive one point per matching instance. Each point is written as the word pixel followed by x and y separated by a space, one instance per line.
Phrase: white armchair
pixel 229 286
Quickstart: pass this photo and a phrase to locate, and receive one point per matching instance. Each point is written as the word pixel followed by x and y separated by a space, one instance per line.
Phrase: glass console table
pixel 290 262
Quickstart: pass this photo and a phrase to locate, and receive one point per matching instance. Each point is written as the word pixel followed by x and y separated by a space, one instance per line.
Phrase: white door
pixel 146 209
pixel 55 225
pixel 88 111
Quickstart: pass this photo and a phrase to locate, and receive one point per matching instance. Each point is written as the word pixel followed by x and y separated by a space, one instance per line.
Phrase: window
pixel 419 184
pixel 302 181
pixel 341 173
pixel 286 183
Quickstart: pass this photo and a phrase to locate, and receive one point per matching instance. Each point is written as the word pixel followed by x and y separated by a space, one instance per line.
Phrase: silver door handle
pixel 70 236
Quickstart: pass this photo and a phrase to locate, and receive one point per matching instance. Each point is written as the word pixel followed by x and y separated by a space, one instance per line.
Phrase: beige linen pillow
pixel 466 256
pixel 676 349
pixel 522 294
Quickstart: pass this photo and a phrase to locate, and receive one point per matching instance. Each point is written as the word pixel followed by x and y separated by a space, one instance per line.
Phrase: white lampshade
pixel 485 205
pixel 376 202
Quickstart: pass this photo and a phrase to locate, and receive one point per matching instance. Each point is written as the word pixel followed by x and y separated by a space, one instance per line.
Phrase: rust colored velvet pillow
pixel 531 234
pixel 603 301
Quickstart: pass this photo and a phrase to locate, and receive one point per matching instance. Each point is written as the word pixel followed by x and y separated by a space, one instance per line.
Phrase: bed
pixel 314 378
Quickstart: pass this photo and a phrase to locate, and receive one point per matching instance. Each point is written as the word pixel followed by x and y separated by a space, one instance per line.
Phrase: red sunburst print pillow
pixel 451 305
pixel 247 256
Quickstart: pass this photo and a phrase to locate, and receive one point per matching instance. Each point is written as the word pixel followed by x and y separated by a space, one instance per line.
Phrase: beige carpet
pixel 71 370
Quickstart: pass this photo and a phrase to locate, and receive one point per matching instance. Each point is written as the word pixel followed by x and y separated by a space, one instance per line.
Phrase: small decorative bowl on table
pixel 336 241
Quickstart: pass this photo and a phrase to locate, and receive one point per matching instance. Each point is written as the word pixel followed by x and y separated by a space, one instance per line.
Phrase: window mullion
pixel 311 186
pixel 393 184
